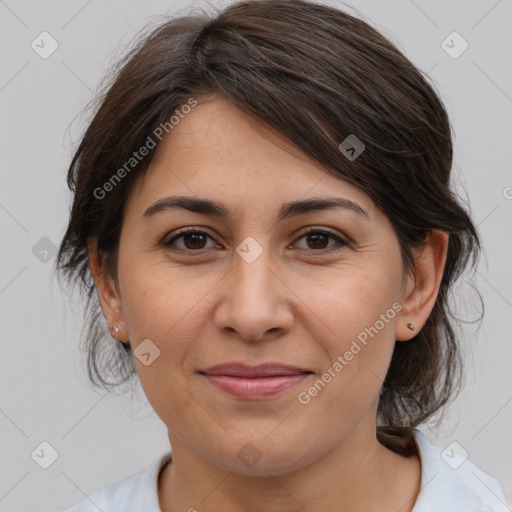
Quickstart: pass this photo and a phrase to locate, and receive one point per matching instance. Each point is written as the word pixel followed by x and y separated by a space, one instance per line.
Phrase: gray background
pixel 45 395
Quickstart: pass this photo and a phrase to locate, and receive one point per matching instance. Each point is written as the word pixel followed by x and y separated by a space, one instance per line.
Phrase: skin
pixel 297 303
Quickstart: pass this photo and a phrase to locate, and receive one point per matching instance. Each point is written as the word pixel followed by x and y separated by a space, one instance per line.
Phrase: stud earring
pixel 116 329
pixel 411 326
pixel 125 344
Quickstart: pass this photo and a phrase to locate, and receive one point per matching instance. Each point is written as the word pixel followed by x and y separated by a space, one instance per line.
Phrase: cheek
pixel 159 306
pixel 350 299
pixel 360 309
pixel 163 303
pixel 165 311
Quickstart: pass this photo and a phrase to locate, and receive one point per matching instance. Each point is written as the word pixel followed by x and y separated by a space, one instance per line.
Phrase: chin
pixel 263 457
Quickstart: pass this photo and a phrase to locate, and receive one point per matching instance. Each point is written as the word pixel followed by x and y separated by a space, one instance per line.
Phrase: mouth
pixel 254 382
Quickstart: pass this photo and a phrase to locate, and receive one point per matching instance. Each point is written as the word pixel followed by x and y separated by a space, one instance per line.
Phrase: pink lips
pixel 254 382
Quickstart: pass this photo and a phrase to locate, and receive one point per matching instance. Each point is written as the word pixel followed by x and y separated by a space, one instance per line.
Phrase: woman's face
pixel 253 288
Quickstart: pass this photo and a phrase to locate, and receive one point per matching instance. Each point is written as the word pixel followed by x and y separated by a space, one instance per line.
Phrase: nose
pixel 255 300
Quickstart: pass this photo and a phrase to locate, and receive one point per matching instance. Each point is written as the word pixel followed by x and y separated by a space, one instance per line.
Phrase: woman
pixel 262 203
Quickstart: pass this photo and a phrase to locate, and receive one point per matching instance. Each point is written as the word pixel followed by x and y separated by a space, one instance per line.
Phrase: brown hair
pixel 317 75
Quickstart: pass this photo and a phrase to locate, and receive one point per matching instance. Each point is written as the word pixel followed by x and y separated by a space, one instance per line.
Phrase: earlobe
pixel 422 287
pixel 108 295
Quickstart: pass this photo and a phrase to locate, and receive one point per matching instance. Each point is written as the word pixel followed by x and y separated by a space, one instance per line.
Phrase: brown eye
pixel 193 240
pixel 317 240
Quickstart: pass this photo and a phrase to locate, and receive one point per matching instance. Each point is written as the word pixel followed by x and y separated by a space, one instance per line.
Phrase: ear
pixel 422 285
pixel 107 290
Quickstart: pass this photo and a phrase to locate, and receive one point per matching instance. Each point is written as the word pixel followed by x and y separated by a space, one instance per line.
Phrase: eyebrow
pixel 288 209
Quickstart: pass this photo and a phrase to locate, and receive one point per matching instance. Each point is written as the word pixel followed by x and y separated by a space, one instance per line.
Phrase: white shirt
pixel 443 488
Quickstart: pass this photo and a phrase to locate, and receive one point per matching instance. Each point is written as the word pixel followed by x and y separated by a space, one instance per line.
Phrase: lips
pixel 254 372
pixel 254 382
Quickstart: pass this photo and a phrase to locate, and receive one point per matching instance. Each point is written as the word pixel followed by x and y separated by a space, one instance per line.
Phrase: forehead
pixel 217 150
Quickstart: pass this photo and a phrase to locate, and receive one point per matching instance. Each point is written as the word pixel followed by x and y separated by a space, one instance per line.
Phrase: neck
pixel 357 474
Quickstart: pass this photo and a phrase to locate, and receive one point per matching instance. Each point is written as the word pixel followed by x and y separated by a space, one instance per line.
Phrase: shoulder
pixel 137 493
pixel 450 482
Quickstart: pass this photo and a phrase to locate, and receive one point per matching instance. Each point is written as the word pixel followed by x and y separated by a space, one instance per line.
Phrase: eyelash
pixel 341 243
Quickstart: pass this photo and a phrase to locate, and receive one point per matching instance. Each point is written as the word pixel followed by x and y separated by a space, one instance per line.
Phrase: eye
pixel 318 240
pixel 193 239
